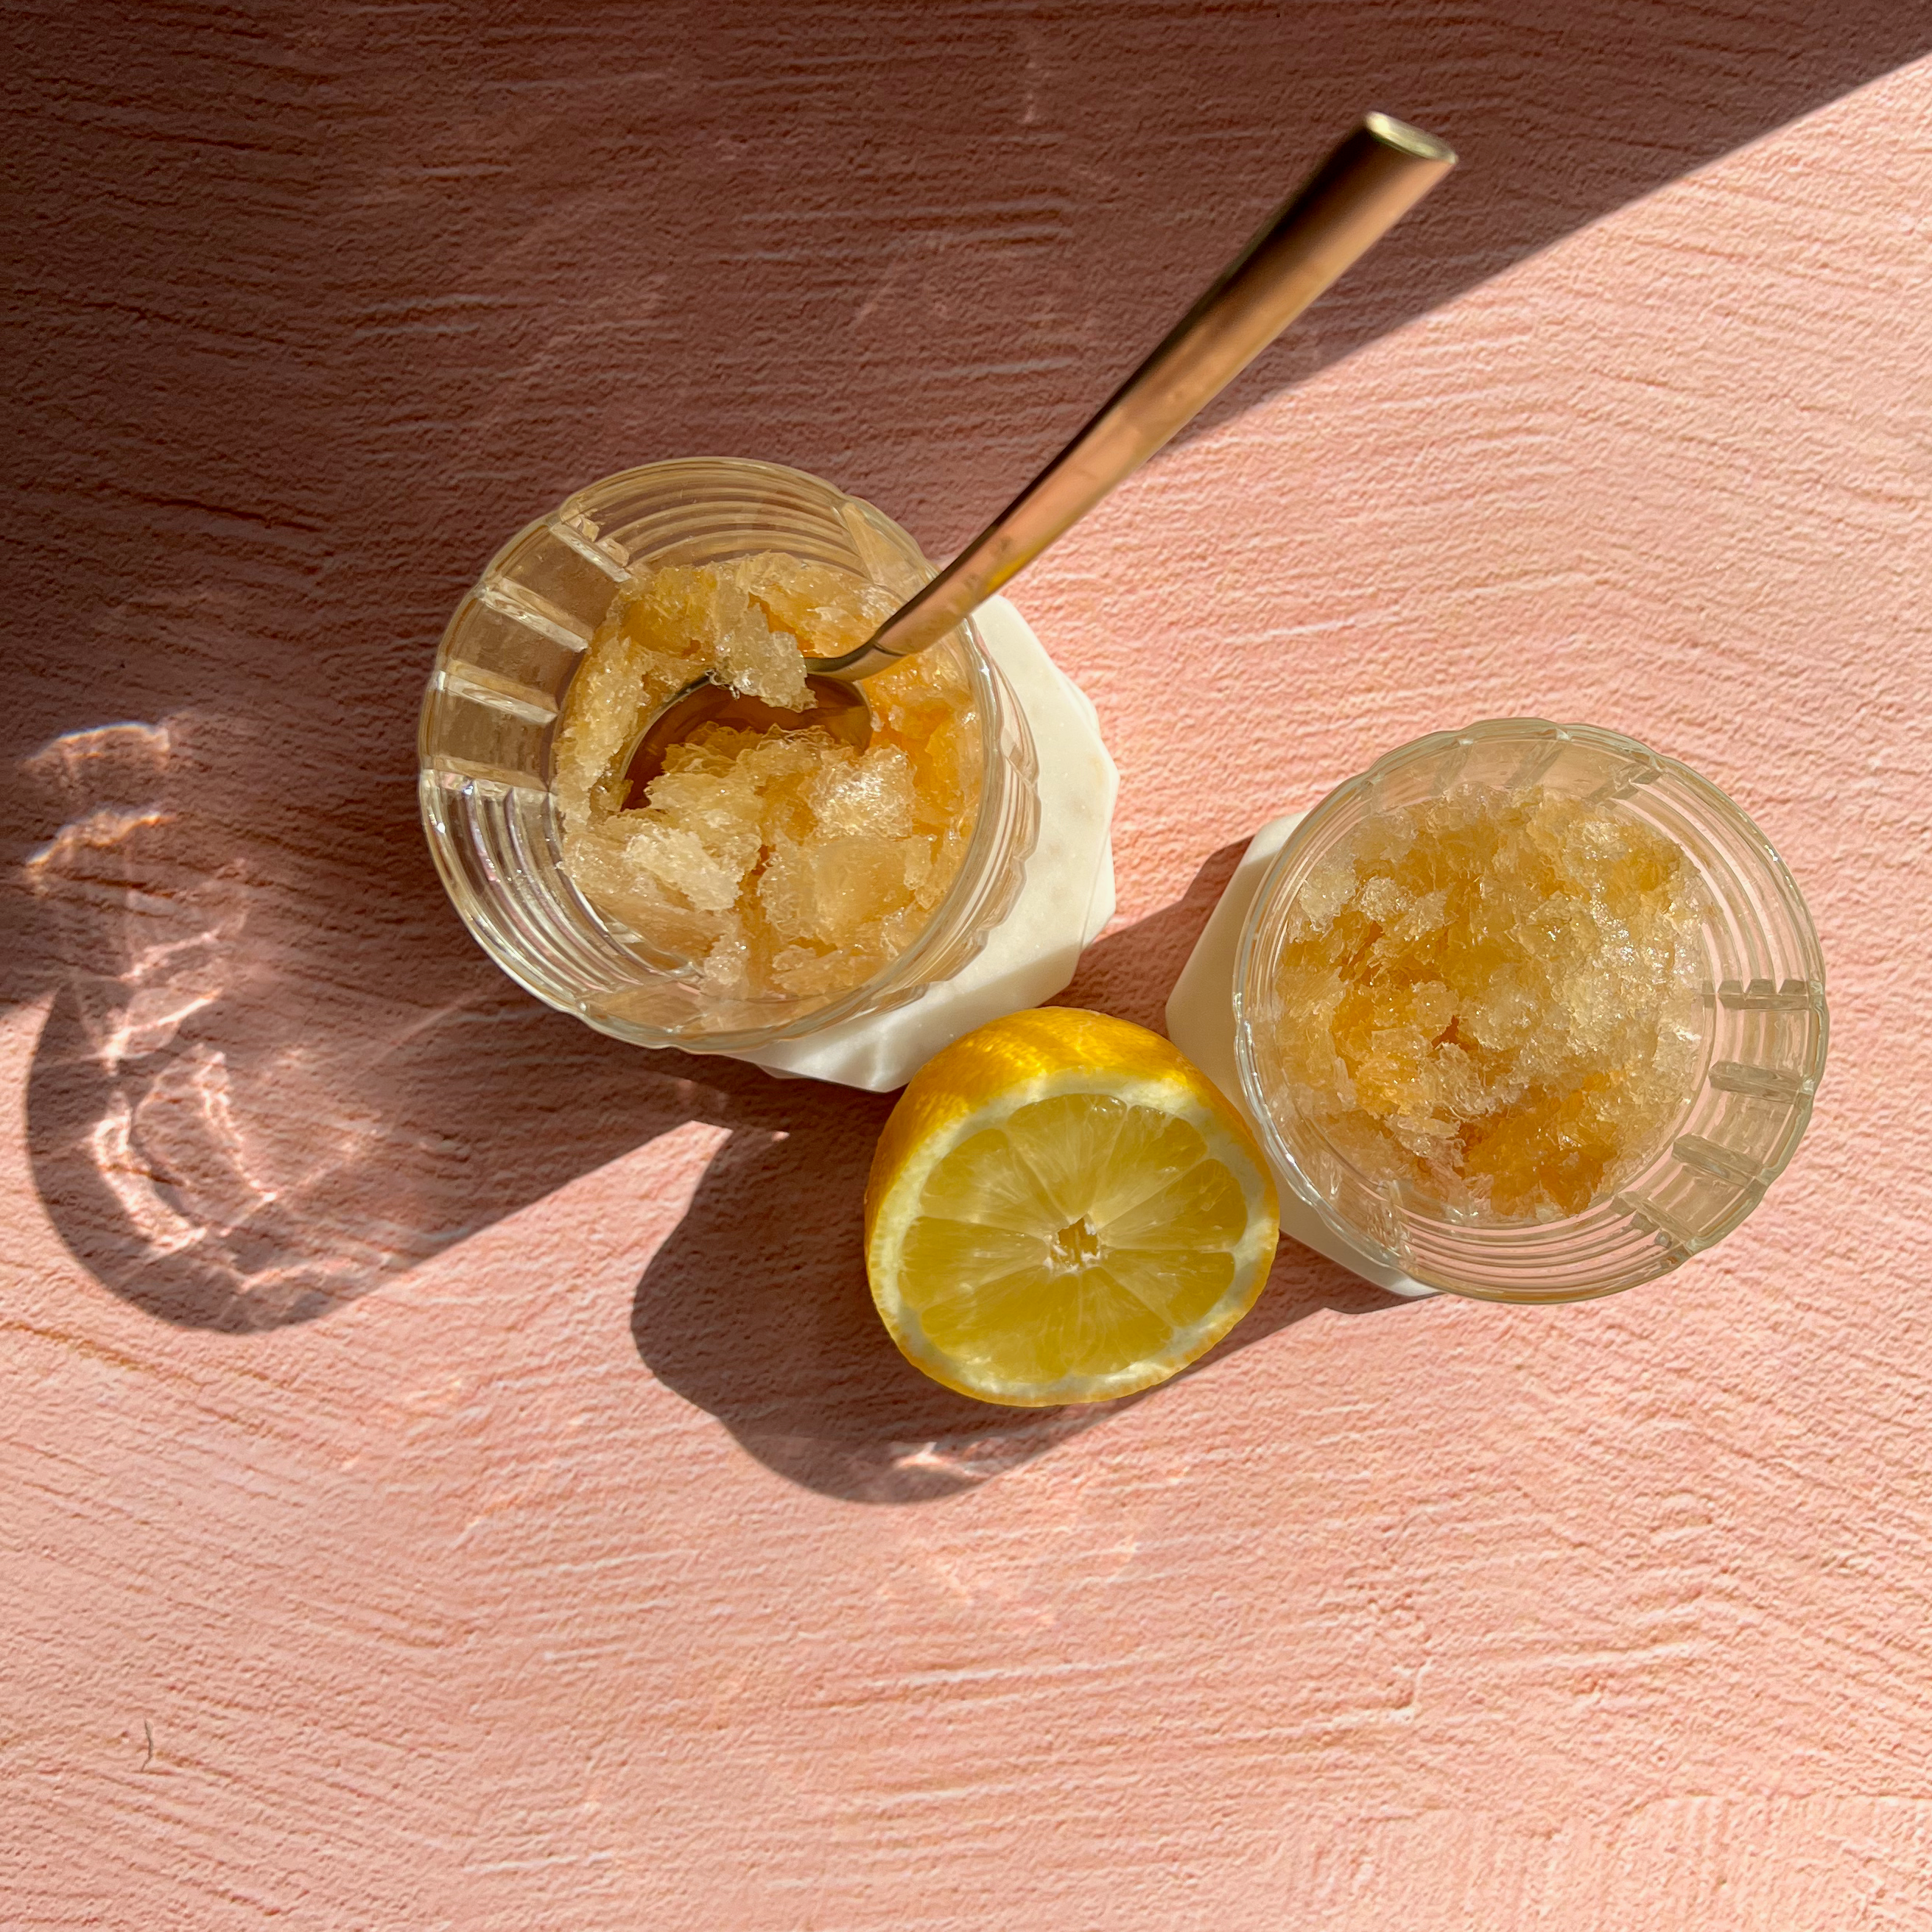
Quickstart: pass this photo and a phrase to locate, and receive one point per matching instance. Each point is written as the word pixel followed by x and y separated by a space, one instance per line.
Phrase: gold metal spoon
pixel 1380 172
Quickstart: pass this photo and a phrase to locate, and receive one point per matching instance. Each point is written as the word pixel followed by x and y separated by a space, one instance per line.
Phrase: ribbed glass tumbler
pixel 1762 1053
pixel 501 674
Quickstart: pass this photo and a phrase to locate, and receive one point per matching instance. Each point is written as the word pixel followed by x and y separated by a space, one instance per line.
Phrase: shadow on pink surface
pixel 187 1132
pixel 239 1119
pixel 783 1347
pixel 375 288
pixel 781 1343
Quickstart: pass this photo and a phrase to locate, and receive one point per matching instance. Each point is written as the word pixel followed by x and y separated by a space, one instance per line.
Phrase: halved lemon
pixel 1064 1208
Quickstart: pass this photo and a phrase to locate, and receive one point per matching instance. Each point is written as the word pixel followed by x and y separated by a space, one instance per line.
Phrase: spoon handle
pixel 1355 197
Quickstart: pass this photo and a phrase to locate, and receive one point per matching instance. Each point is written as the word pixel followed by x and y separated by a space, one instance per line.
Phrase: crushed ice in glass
pixel 783 863
pixel 1494 996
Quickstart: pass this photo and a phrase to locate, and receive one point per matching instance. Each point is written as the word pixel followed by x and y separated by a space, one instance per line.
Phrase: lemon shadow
pixel 756 1308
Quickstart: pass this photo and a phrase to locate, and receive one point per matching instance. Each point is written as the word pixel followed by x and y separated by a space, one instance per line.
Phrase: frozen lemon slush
pixel 780 862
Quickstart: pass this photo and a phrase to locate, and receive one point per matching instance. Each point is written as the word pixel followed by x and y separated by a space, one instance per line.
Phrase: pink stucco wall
pixel 449 1473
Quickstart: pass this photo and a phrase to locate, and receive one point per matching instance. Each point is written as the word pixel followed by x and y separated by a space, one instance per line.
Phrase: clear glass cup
pixel 1763 1048
pixel 499 682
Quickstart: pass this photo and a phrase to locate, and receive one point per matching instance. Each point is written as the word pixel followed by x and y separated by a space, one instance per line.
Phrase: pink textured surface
pixel 452 1475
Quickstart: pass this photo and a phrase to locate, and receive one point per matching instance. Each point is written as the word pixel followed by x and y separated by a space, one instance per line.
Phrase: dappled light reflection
pixel 225 1153
pixel 275 1072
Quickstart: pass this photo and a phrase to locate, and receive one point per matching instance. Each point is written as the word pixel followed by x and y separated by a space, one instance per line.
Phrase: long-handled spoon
pixel 1380 172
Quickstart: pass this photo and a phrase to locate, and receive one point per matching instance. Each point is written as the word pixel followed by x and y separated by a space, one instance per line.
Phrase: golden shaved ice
pixel 1494 998
pixel 781 863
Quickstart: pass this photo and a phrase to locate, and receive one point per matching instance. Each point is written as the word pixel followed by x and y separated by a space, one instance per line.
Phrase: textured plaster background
pixel 449 1473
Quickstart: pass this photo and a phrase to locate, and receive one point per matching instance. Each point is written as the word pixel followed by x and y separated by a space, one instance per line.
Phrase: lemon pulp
pixel 1069 1212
